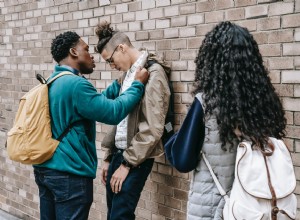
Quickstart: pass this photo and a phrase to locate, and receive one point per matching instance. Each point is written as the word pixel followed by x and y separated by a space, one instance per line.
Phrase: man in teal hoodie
pixel 65 181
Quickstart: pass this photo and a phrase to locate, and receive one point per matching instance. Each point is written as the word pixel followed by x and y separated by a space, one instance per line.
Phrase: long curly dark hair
pixel 61 45
pixel 236 86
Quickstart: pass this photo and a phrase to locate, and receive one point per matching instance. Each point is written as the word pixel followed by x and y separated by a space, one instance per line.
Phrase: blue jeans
pixel 62 195
pixel 121 206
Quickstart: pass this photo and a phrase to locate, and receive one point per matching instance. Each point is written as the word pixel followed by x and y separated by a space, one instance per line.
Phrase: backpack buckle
pixel 275 210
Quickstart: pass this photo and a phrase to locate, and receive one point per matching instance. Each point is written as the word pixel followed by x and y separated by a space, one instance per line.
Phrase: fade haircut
pixel 108 38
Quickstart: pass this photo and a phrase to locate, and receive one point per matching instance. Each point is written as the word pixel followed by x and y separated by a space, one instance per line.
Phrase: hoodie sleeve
pixel 96 106
pixel 112 91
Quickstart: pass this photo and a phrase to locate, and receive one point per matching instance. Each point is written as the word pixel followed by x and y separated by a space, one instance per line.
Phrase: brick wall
pixel 173 28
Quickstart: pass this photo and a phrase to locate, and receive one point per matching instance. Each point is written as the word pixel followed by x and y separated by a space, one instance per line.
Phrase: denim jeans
pixel 62 195
pixel 121 206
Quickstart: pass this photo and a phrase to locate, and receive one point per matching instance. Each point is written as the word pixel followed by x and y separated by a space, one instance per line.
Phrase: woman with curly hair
pixel 239 103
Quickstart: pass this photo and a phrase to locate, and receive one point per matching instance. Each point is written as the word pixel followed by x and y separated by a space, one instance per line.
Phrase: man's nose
pixel 112 65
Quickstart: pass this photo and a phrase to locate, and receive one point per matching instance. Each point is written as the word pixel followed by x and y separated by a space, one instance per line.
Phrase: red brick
pixel 162 3
pixel 293 132
pixel 256 11
pixel 187 9
pixel 268 23
pixel 187 32
pixel 148 4
pixel 284 89
pixel 171 11
pixel 205 6
pixel 224 4
pixel 291 49
pixel 239 3
pixel 171 33
pixel 270 50
pixel 148 25
pixel 179 44
pixel 178 21
pixel 173 203
pixel 280 63
pixel 202 30
pixel 261 37
pixel 235 14
pixel 163 23
pixel 290 20
pixel 281 36
pixel 195 19
pixel 156 13
pixel 291 104
pixel 142 35
pixel 156 34
pixel 281 8
pixel 290 76
pixel 297 119
pixel 297 6
pixel 297 91
pixel 213 17
pixel 165 211
pixel 135 6
pixel 289 117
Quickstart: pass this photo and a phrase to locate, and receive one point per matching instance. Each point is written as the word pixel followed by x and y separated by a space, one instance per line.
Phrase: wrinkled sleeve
pixel 112 91
pixel 151 125
pixel 96 106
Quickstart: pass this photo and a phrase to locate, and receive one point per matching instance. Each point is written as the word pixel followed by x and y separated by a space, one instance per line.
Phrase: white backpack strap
pixel 59 75
pixel 220 188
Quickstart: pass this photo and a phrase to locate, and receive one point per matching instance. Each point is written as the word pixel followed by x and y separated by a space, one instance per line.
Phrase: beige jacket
pixel 146 122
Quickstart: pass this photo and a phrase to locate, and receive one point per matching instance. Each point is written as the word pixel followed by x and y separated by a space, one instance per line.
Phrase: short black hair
pixel 61 45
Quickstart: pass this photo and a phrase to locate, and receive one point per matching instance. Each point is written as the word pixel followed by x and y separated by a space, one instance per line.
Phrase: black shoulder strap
pixel 66 131
pixel 150 63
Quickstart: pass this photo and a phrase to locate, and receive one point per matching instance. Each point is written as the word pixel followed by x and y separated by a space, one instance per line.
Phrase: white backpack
pixel 263 186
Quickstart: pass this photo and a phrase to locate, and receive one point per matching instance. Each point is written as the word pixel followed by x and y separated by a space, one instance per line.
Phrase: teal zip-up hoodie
pixel 73 98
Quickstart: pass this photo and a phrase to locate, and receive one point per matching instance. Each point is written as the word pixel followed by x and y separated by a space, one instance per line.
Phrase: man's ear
pixel 122 47
pixel 73 52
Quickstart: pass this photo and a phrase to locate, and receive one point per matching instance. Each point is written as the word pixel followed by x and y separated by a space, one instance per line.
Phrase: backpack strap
pixel 59 75
pixel 275 210
pixel 220 188
pixel 42 80
pixel 66 131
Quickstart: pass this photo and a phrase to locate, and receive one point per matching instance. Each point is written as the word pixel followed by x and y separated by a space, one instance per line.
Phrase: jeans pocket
pixel 59 186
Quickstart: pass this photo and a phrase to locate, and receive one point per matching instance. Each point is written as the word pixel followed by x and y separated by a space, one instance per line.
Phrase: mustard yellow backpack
pixel 30 139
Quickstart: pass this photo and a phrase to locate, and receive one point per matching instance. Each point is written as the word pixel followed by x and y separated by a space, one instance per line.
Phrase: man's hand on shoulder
pixel 142 75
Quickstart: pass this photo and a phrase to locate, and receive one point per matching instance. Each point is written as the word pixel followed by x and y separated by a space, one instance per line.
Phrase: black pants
pixel 121 206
